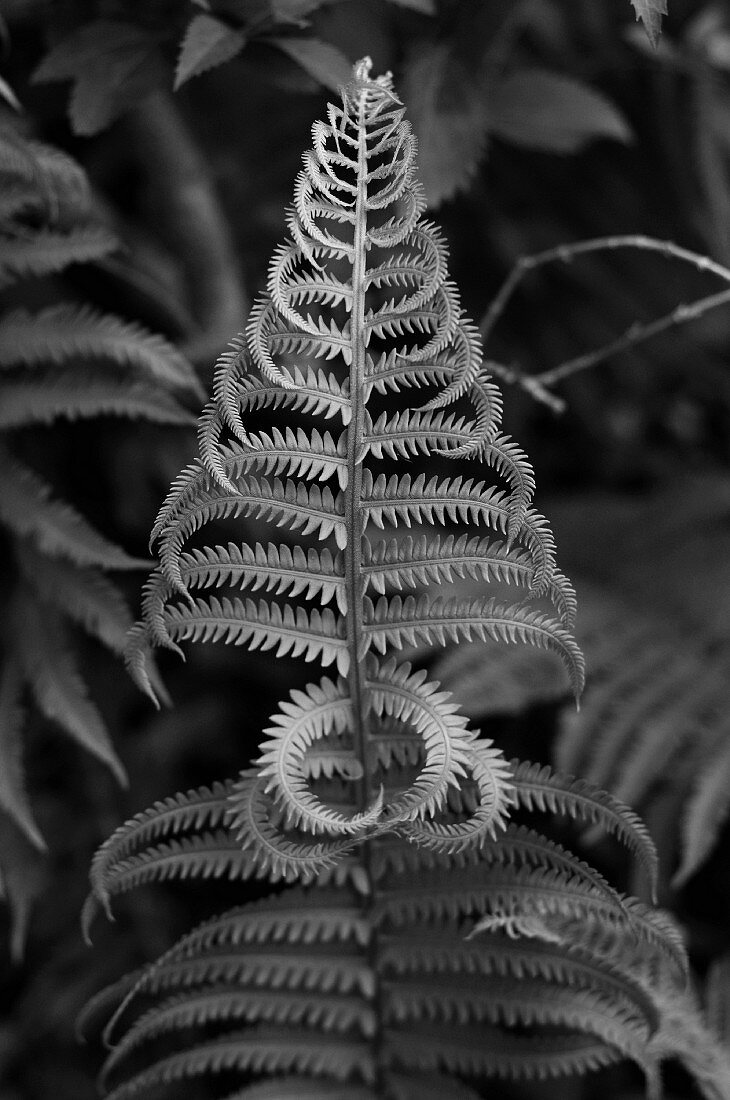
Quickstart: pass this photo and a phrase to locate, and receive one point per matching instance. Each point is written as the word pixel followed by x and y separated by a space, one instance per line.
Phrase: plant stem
pixel 354 585
pixel 537 385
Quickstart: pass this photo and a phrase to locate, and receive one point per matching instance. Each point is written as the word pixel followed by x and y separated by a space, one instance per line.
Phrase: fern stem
pixel 354 581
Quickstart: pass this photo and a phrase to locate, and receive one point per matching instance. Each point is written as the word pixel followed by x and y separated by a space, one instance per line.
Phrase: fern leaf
pixel 516 956
pixel 58 529
pixel 57 687
pixel 59 184
pixel 270 1051
pixel 304 1088
pixel 208 854
pixel 393 621
pixel 314 634
pixel 48 252
pixel 76 393
pixel 288 504
pixel 527 1004
pixel 281 1008
pixel 706 811
pixel 83 594
pixel 406 500
pixel 309 716
pixel 204 808
pixel 411 562
pixel 273 853
pixel 538 787
pixel 13 797
pixel 492 1052
pixel 62 332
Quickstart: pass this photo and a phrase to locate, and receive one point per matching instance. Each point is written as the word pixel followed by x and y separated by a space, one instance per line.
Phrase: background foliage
pixel 540 123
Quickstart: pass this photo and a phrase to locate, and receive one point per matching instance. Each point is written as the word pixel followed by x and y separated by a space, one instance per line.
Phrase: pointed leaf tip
pixel 207 43
pixel 651 12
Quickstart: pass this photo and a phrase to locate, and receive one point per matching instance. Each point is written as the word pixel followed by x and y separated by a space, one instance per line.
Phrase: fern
pixel 66 360
pixel 425 939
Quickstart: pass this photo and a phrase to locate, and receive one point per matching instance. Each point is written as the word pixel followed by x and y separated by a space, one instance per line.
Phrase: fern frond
pixel 26 507
pixel 706 811
pixel 492 1052
pixel 312 635
pixel 283 1008
pixel 204 808
pixel 62 332
pixel 391 621
pixel 412 562
pixel 60 693
pixel 406 500
pixel 13 796
pixel 84 594
pixel 538 787
pixel 58 184
pixel 383 816
pixel 274 854
pixel 47 252
pixel 77 393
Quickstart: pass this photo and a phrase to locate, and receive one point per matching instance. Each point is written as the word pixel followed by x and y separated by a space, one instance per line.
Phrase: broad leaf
pixel 113 65
pixel 650 13
pixel 552 113
pixel 208 42
pixel 326 64
pixel 448 109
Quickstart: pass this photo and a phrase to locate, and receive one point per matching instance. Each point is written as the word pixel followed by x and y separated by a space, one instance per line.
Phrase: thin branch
pixel 514 375
pixel 566 253
pixel 537 385
pixel 635 334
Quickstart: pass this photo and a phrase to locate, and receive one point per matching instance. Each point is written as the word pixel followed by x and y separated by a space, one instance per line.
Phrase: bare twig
pixel 529 382
pixel 538 384
pixel 636 334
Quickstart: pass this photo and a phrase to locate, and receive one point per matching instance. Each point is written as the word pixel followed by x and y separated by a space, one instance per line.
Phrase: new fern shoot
pixel 390 819
pixel 359 305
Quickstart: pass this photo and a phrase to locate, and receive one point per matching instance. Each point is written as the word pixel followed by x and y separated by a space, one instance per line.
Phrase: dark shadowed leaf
pixel 545 111
pixel 113 66
pixel 650 13
pixel 21 881
pixel 13 796
pixel 296 11
pixel 208 42
pixel 448 109
pixel 425 7
pixel 325 63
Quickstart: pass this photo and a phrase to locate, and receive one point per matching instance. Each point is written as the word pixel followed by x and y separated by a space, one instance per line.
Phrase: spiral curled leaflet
pixel 359 313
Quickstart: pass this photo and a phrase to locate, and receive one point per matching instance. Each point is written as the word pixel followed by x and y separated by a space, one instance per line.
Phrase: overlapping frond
pixel 64 361
pixel 527 995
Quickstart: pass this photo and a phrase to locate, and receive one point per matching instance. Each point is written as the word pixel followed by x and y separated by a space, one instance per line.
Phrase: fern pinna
pixel 371 798
pixel 62 360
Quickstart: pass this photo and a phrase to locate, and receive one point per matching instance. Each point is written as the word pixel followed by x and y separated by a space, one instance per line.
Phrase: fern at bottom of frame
pixel 368 986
